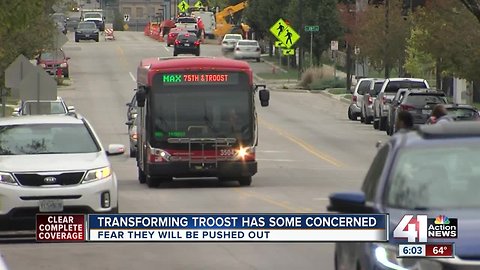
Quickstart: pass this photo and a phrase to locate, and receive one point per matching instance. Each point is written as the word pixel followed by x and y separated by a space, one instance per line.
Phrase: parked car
pixel 366 115
pixel 186 43
pixel 87 31
pixel 392 110
pixel 60 21
pixel 172 35
pixel 59 164
pixel 247 49
pixel 52 60
pixel 388 91
pixel 229 41
pixel 132 108
pixel 462 112
pixel 430 171
pixel 34 107
pixel 362 87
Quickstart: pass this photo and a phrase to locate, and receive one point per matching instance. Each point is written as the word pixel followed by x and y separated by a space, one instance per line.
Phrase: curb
pixel 332 96
pixel 275 66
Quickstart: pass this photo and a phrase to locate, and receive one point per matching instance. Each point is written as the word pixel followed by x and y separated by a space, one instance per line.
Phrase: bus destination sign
pixel 200 78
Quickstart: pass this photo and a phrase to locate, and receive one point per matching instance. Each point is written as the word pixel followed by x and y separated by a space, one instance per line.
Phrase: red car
pixel 52 60
pixel 173 35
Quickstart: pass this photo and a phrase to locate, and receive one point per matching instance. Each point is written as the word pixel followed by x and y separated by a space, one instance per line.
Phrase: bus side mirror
pixel 264 95
pixel 141 95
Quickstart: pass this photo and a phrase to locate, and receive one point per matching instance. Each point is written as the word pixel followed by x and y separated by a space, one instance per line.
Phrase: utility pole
pixel 300 48
pixel 386 59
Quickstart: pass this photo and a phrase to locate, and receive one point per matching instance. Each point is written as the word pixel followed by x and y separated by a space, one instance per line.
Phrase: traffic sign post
pixel 288 52
pixel 334 48
pixel 311 29
pixel 38 85
pixel 284 33
pixel 126 18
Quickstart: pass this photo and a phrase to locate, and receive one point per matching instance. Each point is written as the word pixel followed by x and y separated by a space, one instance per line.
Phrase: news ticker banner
pixel 213 227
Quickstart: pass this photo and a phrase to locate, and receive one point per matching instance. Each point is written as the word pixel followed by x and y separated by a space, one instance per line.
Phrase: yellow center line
pixel 309 148
pixel 264 198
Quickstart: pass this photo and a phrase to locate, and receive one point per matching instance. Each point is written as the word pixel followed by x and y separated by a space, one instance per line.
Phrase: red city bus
pixel 197 118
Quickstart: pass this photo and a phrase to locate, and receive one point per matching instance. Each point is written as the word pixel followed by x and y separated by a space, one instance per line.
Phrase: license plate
pixel 426 111
pixel 87 35
pixel 51 205
pixel 186 45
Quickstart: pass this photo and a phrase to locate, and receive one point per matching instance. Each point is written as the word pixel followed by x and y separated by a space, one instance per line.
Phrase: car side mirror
pixel 71 109
pixel 378 144
pixel 68 58
pixel 264 95
pixel 129 123
pixel 115 149
pixel 348 202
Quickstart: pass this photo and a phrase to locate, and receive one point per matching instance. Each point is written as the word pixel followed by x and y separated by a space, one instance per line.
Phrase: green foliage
pixel 418 63
pixel 25 29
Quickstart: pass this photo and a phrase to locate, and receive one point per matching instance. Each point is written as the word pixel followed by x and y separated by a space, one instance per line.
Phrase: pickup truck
pixel 187 23
pixel 96 17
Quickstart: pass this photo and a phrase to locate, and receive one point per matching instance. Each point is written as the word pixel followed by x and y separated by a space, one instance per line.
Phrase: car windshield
pixel 43 107
pixel 186 20
pixel 438 177
pixel 394 86
pixel 52 55
pixel 377 87
pixel 236 37
pixel 93 16
pixel 185 37
pixel 462 113
pixel 248 43
pixel 87 26
pixel 35 139
pixel 424 99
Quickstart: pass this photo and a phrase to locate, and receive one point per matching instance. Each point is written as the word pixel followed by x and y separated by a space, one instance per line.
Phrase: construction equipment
pixel 225 27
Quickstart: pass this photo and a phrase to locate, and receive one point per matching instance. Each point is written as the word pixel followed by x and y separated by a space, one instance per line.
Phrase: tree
pixel 26 29
pixel 383 48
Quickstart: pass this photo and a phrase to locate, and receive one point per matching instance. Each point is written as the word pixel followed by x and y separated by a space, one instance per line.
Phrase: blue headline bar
pixel 237 221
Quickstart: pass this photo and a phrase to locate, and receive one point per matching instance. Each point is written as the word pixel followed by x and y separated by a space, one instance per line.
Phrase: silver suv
pixel 53 163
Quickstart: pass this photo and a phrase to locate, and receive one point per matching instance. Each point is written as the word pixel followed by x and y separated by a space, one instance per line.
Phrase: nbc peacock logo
pixel 442 219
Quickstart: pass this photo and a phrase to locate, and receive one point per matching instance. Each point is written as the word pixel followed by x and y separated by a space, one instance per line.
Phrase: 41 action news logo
pixel 420 228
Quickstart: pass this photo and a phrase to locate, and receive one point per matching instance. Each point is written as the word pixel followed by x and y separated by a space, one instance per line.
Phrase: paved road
pixel 307 150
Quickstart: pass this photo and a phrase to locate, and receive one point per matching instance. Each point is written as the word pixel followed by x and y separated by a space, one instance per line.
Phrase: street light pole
pixel 311 48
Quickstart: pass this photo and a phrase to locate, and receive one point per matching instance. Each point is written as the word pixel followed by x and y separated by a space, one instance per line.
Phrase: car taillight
pixel 197 43
pixel 370 100
pixel 177 42
pixel 170 35
pixel 258 49
pixel 238 49
pixel 406 107
pixel 156 155
pixel 354 99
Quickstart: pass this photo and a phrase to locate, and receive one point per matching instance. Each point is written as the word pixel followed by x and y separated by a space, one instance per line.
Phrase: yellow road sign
pixel 284 33
pixel 198 4
pixel 183 6
pixel 279 44
pixel 125 27
pixel 288 51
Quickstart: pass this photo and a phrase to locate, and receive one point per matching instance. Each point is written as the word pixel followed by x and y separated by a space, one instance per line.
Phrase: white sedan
pixel 247 49
pixel 229 41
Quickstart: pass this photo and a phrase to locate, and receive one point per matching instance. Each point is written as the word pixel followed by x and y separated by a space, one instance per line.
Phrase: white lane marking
pixel 276 160
pixel 271 151
pixel 133 77
pixel 166 48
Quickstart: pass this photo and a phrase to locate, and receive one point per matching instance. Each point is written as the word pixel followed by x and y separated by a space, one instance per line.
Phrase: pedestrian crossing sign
pixel 183 6
pixel 284 33
pixel 288 51
pixel 279 44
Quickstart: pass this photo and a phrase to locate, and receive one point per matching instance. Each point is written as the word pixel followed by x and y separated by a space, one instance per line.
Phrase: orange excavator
pixel 226 27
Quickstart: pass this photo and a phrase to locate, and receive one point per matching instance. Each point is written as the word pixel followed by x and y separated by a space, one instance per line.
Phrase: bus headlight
pixel 245 153
pixel 97 174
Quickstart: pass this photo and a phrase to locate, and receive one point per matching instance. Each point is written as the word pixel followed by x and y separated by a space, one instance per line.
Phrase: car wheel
pixel 175 53
pixel 368 120
pixel 97 39
pixel 258 59
pixel 245 181
pixel 168 45
pixel 77 40
pixel 65 74
pixel 151 181
pixel 375 123
pixel 142 178
pixel 197 53
pixel 382 125
pixel 362 118
pixel 350 116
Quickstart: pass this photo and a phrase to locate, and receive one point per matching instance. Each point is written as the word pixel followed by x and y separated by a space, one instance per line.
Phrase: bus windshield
pixel 214 109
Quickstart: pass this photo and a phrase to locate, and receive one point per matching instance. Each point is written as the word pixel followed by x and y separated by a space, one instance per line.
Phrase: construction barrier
pixel 109 35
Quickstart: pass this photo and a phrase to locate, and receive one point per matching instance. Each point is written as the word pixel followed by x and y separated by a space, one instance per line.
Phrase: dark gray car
pixel 86 30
